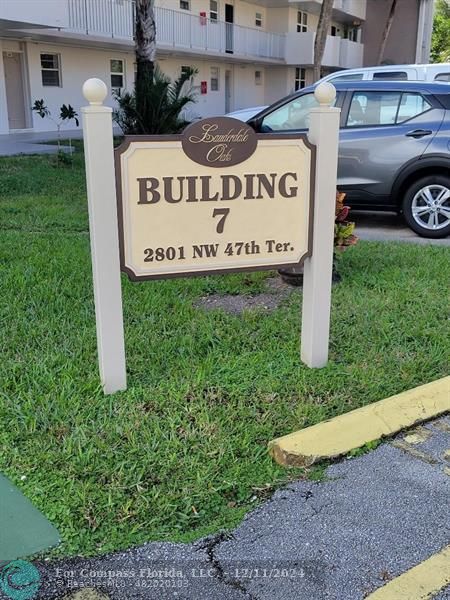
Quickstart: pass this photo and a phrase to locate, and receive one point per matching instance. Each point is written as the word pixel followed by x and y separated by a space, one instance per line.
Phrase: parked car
pixel 432 72
pixel 394 147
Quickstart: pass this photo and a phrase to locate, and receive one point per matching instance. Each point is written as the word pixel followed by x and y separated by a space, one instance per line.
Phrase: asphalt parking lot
pixel 351 536
pixel 388 227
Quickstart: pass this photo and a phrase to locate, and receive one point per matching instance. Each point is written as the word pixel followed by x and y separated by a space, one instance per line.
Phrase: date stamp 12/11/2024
pixel 168 578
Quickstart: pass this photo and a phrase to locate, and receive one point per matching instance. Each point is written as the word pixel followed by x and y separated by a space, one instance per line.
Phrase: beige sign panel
pixel 178 216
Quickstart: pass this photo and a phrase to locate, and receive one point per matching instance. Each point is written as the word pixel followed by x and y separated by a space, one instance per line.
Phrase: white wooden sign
pixel 215 199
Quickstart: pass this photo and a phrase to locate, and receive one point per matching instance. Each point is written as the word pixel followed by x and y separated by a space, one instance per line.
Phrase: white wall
pixel 278 84
pixel 244 90
pixel 77 65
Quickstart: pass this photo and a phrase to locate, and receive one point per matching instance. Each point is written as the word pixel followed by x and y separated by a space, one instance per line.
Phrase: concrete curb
pixel 419 583
pixel 341 434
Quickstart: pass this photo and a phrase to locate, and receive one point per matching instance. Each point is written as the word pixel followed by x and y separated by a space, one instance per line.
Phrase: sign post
pixel 217 198
pixel 101 190
pixel 317 269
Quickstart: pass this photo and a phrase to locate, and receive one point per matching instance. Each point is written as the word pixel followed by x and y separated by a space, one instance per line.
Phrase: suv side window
pixel 384 108
pixel 411 105
pixel 373 108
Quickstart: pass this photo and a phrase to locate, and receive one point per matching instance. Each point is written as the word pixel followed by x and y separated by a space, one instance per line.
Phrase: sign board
pixel 217 198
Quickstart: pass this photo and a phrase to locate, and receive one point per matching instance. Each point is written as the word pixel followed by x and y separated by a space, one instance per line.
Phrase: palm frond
pixel 165 101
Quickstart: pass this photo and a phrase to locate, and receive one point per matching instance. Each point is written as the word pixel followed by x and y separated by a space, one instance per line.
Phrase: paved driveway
pixel 388 227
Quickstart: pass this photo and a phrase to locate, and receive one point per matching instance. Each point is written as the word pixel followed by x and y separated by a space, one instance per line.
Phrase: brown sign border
pixel 129 139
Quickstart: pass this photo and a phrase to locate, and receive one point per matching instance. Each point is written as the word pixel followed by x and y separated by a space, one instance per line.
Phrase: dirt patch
pixel 276 292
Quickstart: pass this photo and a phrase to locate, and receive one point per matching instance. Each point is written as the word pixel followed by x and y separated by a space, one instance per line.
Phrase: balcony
pixel 339 53
pixel 176 30
pixel 345 11
pixel 350 54
pixel 353 8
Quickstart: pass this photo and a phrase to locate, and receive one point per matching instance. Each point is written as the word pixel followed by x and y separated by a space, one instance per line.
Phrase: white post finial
pixel 325 93
pixel 95 91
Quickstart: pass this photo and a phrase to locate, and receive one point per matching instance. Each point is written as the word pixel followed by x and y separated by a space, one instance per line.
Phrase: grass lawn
pixel 183 452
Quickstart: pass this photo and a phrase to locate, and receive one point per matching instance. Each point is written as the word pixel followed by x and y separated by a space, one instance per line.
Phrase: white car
pixel 438 72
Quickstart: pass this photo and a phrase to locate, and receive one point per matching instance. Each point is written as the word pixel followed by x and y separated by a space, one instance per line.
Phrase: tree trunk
pixel 145 50
pixel 387 29
pixel 321 36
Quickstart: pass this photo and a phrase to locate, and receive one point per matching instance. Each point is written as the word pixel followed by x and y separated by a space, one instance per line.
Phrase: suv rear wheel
pixel 426 206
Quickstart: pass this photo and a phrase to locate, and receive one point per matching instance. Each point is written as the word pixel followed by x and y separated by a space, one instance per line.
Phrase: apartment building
pixel 247 52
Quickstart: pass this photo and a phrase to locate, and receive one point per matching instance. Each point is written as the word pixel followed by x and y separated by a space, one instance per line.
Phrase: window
pixel 302 21
pixel 50 70
pixel 185 4
pixel 385 108
pixel 442 77
pixel 349 77
pixel 293 115
pixel 300 78
pixel 213 10
pixel 388 75
pixel 215 75
pixel 352 34
pixel 186 70
pixel 117 73
pixel 411 105
pixel 258 77
pixel 334 30
pixel 259 20
pixel 373 108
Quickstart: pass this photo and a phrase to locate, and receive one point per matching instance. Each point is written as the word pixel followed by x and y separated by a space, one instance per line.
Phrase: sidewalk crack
pixel 209 545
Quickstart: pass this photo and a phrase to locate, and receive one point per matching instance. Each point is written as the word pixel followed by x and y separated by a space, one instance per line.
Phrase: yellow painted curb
pixel 419 583
pixel 337 436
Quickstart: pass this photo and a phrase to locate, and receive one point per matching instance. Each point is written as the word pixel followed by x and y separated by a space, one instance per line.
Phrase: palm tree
pixel 156 103
pixel 387 29
pixel 321 36
pixel 145 49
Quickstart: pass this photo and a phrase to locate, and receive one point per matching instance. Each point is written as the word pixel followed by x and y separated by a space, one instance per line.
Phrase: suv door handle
pixel 418 133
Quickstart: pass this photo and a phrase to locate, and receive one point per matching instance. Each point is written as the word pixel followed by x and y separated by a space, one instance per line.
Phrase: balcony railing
pixel 110 18
pixel 115 18
pixel 339 52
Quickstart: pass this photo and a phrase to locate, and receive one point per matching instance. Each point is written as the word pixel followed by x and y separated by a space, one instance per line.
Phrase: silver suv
pixel 394 148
